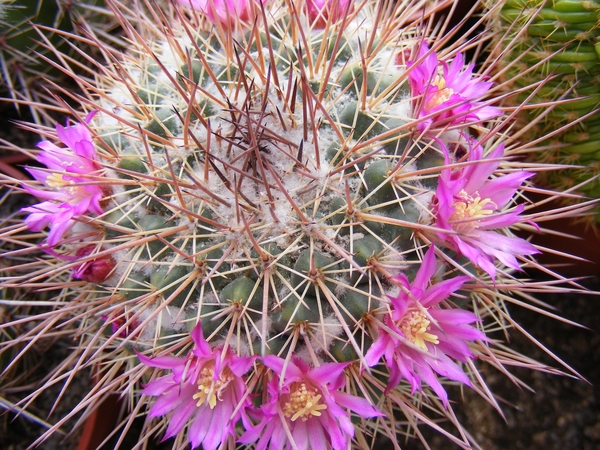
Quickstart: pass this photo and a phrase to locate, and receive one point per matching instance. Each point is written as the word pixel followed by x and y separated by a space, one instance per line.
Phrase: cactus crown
pixel 270 170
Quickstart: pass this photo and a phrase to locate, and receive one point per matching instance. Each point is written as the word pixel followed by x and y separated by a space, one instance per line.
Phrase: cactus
pixel 555 60
pixel 299 214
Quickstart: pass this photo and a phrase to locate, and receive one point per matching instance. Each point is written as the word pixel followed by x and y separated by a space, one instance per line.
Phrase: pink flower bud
pixel 95 270
pixel 230 13
pixel 321 11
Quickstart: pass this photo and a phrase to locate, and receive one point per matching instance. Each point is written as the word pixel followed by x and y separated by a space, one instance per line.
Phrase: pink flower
pixel 228 12
pixel 320 11
pixel 71 195
pixel 420 339
pixel 447 98
pixel 207 387
pixel 306 406
pixel 470 206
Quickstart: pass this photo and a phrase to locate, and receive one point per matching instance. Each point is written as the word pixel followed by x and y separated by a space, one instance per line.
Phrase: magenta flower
pixel 448 97
pixel 228 12
pixel 470 206
pixel 306 406
pixel 420 339
pixel 70 193
pixel 320 11
pixel 207 387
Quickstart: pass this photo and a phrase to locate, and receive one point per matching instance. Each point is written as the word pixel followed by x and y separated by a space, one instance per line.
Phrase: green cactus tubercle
pixel 560 48
pixel 265 193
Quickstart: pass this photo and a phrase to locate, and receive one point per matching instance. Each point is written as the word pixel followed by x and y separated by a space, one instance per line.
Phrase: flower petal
pixel 357 404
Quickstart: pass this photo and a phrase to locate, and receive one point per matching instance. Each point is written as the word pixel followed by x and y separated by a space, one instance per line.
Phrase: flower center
pixel 209 389
pixel 415 326
pixel 56 180
pixel 303 402
pixel 440 96
pixel 468 211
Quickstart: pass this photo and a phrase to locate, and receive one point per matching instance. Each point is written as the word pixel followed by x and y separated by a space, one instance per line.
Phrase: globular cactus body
pixel 274 202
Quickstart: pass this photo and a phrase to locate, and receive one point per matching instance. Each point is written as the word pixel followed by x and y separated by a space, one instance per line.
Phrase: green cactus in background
pixel 316 196
pixel 554 61
pixel 34 32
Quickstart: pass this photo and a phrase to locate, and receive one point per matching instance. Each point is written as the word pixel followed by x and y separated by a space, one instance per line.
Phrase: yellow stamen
pixel 442 95
pixel 439 82
pixel 209 389
pixel 303 402
pixel 468 211
pixel 415 326
pixel 56 180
